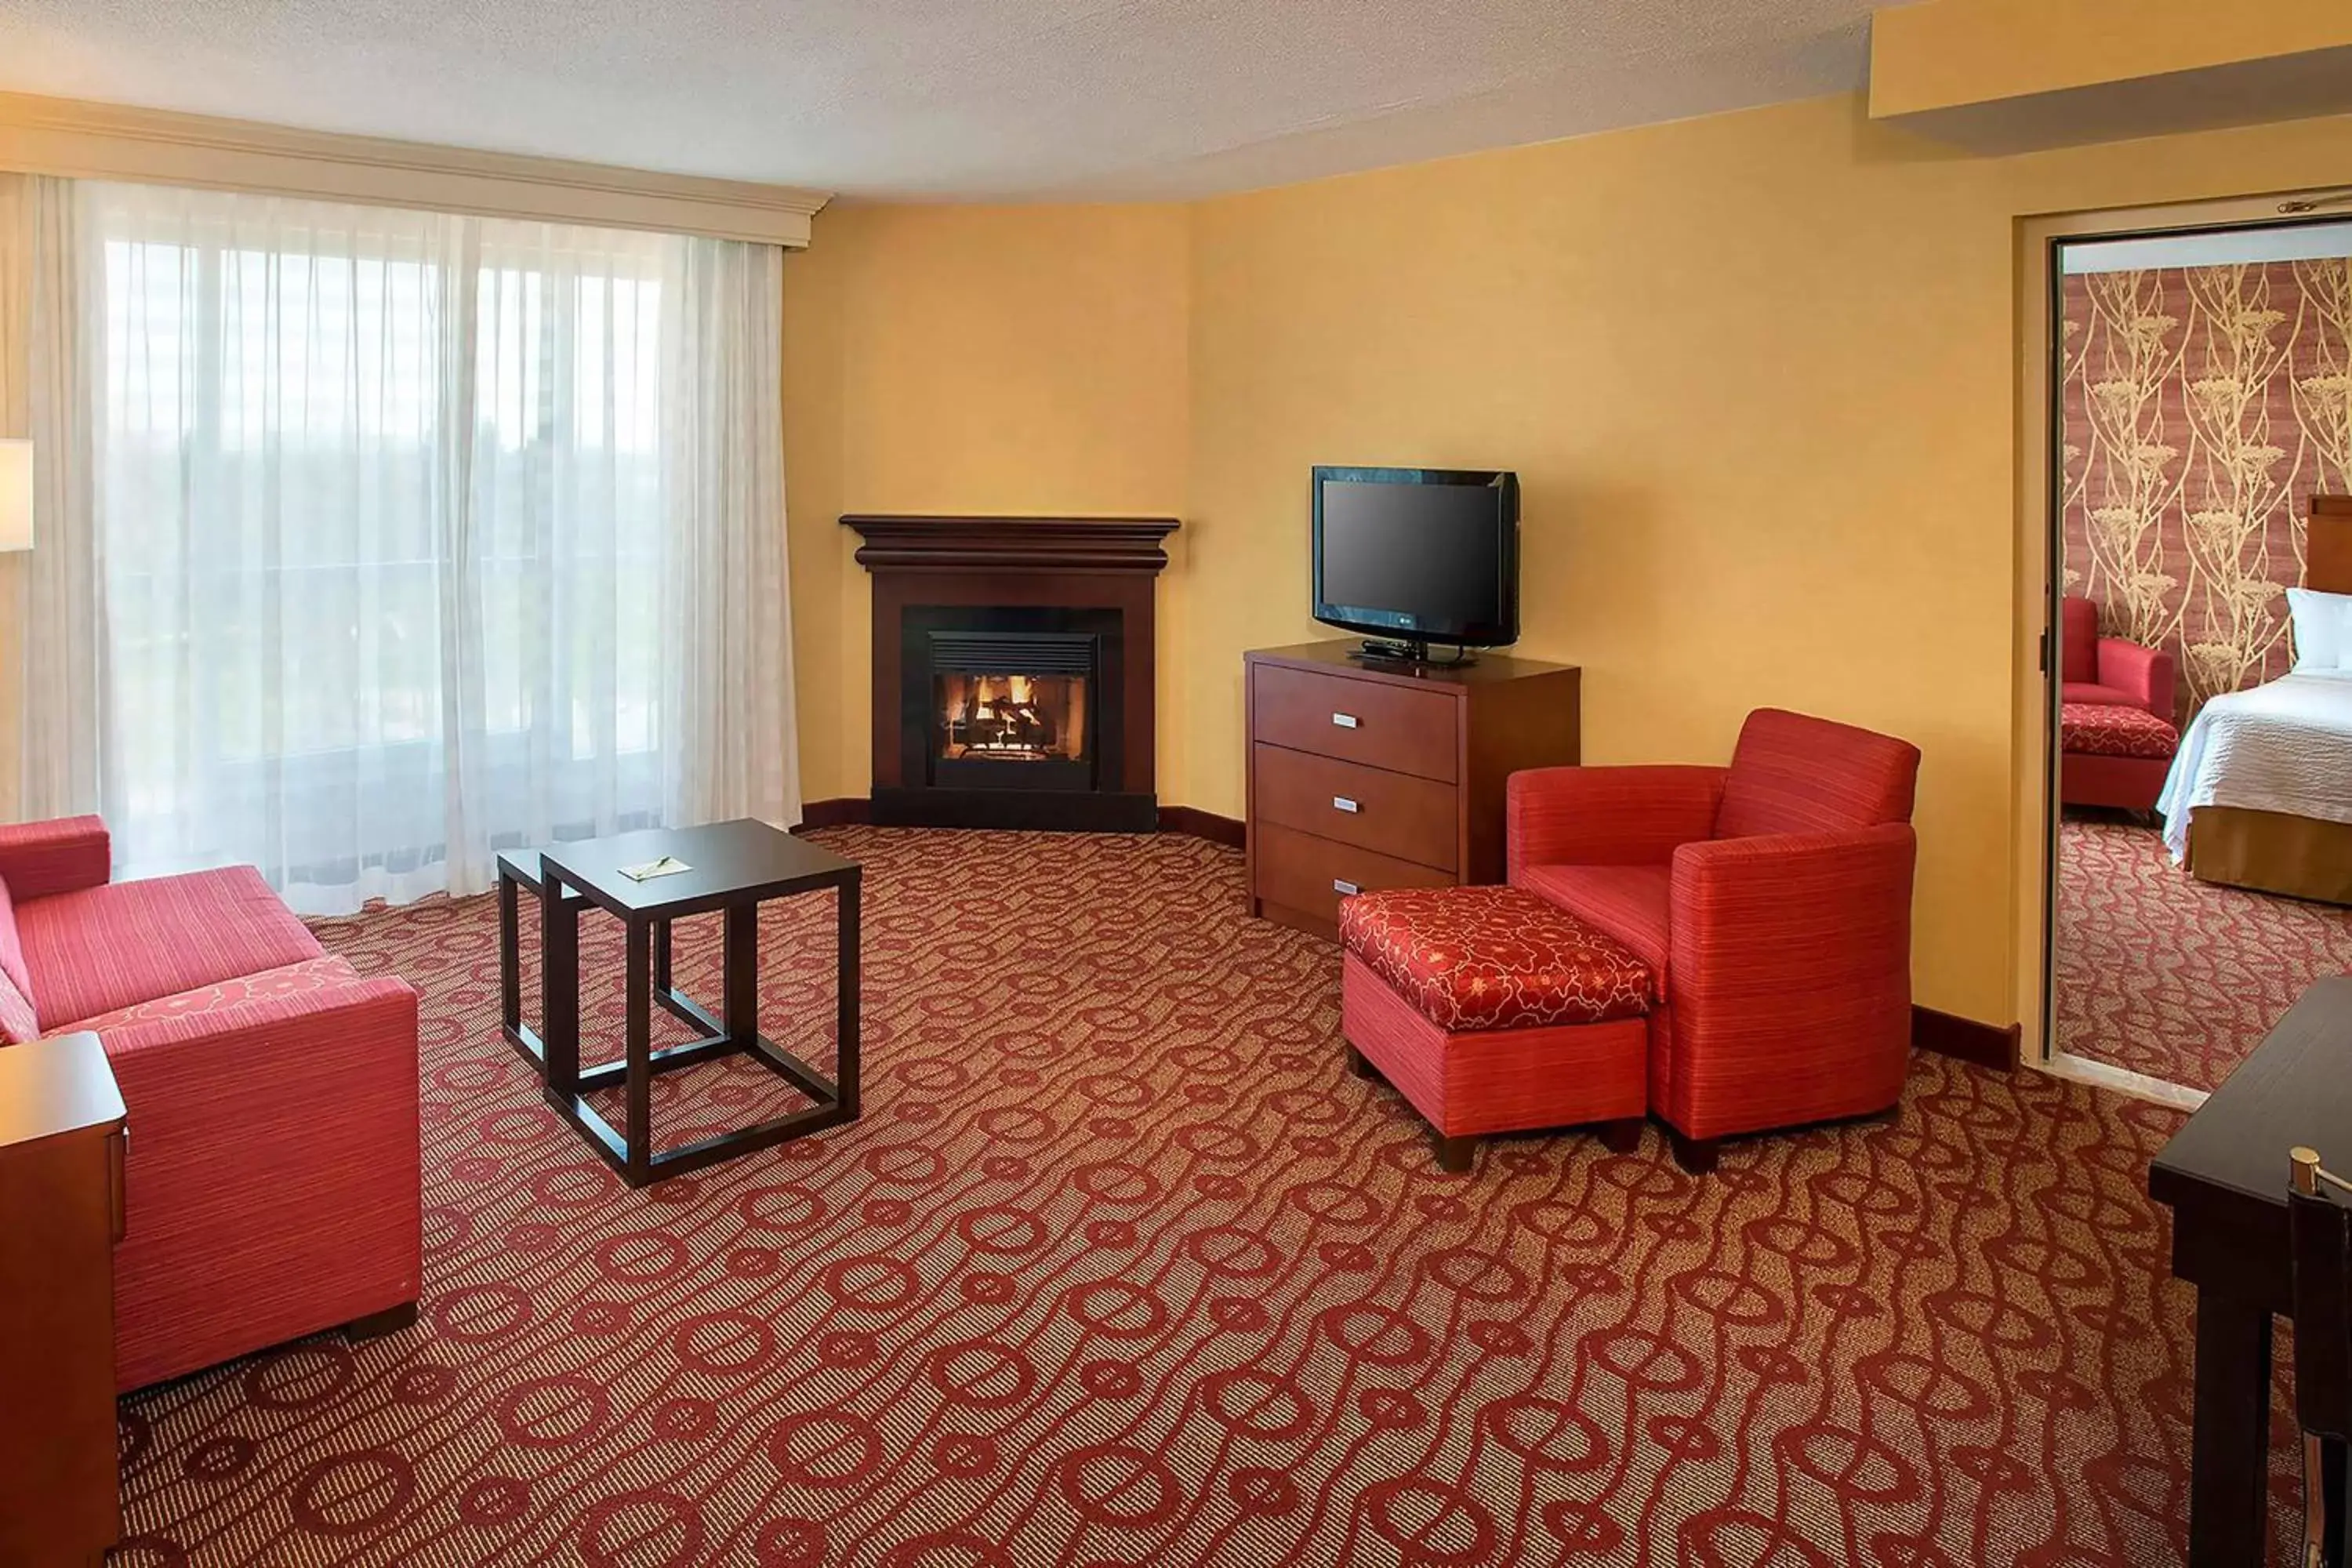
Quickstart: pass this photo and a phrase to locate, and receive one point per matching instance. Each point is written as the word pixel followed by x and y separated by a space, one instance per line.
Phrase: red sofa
pixel 2115 733
pixel 271 1178
pixel 1771 900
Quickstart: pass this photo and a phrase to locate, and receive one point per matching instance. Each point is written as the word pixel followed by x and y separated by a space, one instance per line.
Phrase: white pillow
pixel 2323 630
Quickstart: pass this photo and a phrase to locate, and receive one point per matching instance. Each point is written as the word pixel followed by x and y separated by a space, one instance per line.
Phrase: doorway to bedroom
pixel 2199 664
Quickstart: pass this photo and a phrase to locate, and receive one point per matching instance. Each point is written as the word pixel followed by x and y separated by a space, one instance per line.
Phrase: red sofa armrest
pixel 2144 674
pixel 1790 978
pixel 272 1180
pixel 1607 817
pixel 63 856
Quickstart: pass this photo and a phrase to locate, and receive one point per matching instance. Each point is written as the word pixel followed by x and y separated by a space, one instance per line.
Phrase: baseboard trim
pixel 1949 1035
pixel 849 811
pixel 858 811
pixel 1225 830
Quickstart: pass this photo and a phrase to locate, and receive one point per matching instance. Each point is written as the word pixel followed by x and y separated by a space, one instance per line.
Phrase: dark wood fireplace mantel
pixel 936 578
pixel 1013 543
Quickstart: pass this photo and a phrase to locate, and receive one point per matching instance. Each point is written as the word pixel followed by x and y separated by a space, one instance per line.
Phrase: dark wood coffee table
pixel 2224 1177
pixel 735 868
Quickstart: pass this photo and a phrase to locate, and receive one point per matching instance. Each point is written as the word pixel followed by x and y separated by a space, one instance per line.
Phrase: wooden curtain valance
pixel 104 141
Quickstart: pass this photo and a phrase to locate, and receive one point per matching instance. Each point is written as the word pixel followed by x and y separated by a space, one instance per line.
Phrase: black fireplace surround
pixel 1013 717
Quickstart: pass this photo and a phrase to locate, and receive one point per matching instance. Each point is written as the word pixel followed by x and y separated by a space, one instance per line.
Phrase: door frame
pixel 2040 543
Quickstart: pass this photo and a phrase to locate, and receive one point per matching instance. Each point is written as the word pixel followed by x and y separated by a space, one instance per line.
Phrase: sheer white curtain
pixel 57 707
pixel 407 529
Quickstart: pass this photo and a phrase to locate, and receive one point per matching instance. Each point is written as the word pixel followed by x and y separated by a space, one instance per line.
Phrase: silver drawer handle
pixel 1344 720
pixel 1341 803
pixel 1342 886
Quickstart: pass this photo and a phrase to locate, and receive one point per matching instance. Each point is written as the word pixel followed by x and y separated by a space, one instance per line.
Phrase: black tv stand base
pixel 1409 650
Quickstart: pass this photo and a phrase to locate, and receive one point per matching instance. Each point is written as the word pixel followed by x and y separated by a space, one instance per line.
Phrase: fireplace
pixel 1013 670
pixel 1010 711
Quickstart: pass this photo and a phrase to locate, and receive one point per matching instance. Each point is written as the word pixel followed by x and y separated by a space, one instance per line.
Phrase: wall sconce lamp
pixel 15 495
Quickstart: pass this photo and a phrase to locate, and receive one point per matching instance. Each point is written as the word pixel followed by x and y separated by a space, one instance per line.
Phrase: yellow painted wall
pixel 965 359
pixel 1943 53
pixel 1757 374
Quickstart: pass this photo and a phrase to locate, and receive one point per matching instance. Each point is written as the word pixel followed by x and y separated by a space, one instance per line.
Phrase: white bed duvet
pixel 2285 746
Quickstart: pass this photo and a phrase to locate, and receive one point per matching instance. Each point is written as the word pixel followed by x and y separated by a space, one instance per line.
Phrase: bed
pixel 2259 795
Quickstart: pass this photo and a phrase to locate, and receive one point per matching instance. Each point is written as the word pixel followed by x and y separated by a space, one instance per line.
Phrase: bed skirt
pixel 2272 852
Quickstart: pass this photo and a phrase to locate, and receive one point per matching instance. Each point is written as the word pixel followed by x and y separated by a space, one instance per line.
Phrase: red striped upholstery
pixel 18 1015
pixel 2078 638
pixel 1792 980
pixel 1608 817
pixel 1468 1083
pixel 1492 958
pixel 2111 671
pixel 1784 983
pixel 273 1174
pixel 272 1178
pixel 1792 773
pixel 40 859
pixel 17 1022
pixel 1629 902
pixel 104 948
pixel 2128 783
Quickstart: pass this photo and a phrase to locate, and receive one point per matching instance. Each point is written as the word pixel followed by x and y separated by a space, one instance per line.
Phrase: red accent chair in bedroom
pixel 271 1176
pixel 2115 734
pixel 1771 900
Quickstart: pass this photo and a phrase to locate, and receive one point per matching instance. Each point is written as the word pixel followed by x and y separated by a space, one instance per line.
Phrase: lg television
pixel 1413 557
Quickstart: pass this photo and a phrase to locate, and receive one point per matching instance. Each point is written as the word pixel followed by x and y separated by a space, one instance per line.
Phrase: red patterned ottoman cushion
pixel 1493 958
pixel 2109 729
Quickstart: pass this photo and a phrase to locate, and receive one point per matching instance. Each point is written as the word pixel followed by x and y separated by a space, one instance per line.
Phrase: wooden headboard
pixel 2327 551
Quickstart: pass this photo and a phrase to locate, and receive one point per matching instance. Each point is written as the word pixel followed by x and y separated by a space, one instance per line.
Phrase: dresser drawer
pixel 1356 721
pixel 1302 872
pixel 1395 813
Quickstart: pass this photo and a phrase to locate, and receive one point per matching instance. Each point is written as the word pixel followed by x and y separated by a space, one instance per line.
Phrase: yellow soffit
pixel 2008 75
pixel 105 142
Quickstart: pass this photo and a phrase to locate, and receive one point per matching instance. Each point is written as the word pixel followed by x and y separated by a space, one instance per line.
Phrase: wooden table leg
pixel 640 1047
pixel 559 987
pixel 847 978
pixel 509 954
pixel 739 974
pixel 2229 1454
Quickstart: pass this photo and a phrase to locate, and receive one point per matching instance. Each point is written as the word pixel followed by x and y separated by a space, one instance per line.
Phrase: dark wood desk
pixel 2224 1177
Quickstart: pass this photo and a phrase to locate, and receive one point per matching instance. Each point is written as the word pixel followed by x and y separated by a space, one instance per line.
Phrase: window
pixel 385 512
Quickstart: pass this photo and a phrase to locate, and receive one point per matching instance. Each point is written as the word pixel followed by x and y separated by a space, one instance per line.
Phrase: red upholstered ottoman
pixel 2110 754
pixel 1494 1010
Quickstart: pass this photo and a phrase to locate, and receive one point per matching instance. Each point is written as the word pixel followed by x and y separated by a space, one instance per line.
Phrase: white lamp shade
pixel 15 495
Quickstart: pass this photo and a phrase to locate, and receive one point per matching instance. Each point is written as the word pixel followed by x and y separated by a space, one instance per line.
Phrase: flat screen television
pixel 1417 556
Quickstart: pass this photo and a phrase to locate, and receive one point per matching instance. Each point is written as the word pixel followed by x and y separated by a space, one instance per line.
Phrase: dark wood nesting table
pixel 735 866
pixel 2224 1177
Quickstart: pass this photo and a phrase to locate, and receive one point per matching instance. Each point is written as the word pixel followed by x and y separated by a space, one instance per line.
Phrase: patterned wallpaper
pixel 2203 407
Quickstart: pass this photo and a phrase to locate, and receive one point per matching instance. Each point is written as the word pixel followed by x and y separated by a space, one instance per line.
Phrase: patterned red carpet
pixel 2170 976
pixel 1123 1267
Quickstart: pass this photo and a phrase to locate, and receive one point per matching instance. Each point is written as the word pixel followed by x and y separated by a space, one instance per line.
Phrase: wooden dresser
pixel 1370 777
pixel 61 1132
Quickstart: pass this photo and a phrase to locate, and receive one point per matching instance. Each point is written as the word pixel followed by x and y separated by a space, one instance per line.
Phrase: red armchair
pixel 1771 900
pixel 272 1173
pixel 2115 733
pixel 2109 671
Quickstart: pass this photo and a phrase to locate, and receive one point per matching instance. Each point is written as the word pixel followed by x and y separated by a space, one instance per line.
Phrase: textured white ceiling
pixel 968 99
